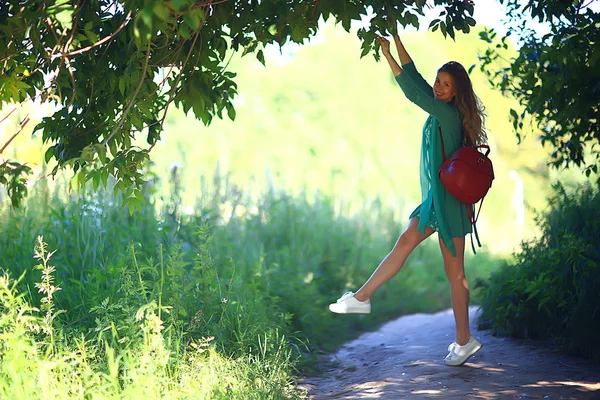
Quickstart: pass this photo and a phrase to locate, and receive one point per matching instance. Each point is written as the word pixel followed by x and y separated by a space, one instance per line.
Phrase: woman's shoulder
pixel 447 113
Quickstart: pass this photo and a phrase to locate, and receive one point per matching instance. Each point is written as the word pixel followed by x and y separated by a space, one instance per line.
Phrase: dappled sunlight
pixel 404 359
pixel 442 388
pixel 484 394
pixel 583 386
pixel 426 392
pixel 491 369
pixel 372 390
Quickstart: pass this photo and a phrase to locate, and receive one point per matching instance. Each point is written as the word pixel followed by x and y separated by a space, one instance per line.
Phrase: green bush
pixel 552 290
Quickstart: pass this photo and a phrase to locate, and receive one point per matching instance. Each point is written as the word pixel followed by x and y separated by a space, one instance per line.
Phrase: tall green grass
pixel 225 298
pixel 133 352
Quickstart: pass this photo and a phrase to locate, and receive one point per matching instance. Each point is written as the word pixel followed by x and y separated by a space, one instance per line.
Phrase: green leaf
pixel 64 14
pixel 95 179
pixel 414 20
pixel 101 151
pixel 193 21
pixel 153 132
pixel 112 145
pixel 122 86
pixel 366 49
pixel 139 195
pixel 230 111
pixel 104 177
pixel 146 15
pixel 515 117
pixel 450 31
pixel 133 204
pixel 179 5
pixel 184 31
pixel 21 85
pixel 91 36
pixel 81 178
pixel 161 11
pixel 49 154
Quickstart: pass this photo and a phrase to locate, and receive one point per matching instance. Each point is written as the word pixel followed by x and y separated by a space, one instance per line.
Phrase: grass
pixel 224 300
pixel 153 365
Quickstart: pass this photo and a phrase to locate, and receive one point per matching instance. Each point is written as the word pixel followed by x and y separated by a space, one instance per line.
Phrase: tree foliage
pixel 113 68
pixel 555 76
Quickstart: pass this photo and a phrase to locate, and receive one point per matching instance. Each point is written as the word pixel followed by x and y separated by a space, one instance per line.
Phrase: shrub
pixel 552 290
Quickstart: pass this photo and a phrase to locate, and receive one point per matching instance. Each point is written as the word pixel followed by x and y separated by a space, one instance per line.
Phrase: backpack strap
pixel 470 207
pixel 470 212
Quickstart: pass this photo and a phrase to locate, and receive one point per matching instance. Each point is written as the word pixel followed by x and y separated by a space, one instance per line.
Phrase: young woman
pixel 456 113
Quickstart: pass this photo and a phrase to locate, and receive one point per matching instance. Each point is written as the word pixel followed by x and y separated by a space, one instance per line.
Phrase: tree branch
pixel 22 125
pixel 8 115
pixel 170 100
pixel 103 40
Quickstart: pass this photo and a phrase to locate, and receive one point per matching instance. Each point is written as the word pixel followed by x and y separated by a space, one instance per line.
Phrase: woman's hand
pixel 385 45
pixel 385 49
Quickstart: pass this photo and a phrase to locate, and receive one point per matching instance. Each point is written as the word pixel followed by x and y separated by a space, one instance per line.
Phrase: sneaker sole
pixel 466 359
pixel 346 311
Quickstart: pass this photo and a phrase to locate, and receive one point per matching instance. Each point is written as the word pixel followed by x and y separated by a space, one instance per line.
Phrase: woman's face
pixel 443 89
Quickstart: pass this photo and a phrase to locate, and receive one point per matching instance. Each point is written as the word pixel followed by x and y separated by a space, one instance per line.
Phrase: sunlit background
pixel 318 118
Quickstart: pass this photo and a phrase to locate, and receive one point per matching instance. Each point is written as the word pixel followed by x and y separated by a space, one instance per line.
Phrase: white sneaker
pixel 458 355
pixel 347 304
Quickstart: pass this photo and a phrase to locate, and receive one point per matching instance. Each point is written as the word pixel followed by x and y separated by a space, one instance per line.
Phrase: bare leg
pixel 459 289
pixel 394 261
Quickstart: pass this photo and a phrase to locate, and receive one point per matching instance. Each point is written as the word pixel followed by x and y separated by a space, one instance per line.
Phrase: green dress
pixel 439 209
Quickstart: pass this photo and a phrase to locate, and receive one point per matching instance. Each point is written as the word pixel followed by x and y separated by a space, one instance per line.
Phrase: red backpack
pixel 467 175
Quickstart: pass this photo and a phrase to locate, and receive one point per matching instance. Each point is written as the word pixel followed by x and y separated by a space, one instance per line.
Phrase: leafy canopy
pixel 555 76
pixel 112 68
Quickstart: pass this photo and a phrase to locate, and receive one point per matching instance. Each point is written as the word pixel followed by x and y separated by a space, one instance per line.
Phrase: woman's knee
pixel 456 275
pixel 409 238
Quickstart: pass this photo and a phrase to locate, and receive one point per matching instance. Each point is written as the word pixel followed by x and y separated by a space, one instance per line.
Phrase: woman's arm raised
pixel 408 66
pixel 402 53
pixel 385 49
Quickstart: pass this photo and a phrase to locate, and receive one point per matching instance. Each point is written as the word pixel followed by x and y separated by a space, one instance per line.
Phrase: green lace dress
pixel 439 209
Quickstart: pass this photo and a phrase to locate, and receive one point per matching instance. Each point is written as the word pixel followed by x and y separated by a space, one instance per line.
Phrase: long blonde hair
pixel 470 108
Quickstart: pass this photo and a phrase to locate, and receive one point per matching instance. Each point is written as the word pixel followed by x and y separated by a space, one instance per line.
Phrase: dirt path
pixel 404 360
